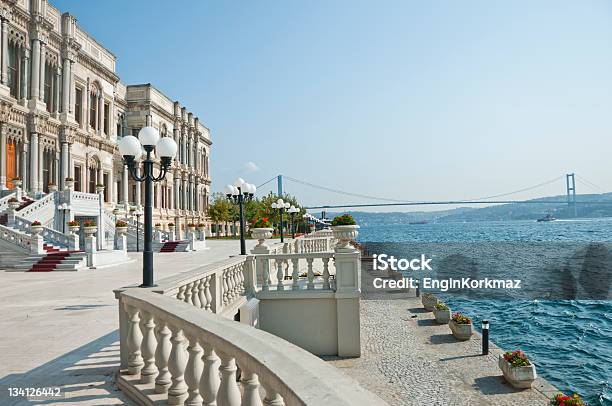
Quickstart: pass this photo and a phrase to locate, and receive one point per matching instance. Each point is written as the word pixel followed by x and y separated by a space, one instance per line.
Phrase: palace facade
pixel 63 109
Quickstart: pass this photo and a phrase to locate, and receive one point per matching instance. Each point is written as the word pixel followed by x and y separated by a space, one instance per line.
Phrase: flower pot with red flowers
pixel 429 301
pixel 158 226
pixel 344 229
pixel 442 313
pixel 17 182
pixel 191 227
pixel 36 227
pixel 52 187
pixel 202 227
pixel 74 226
pixel 561 399
pixel 13 203
pixel 461 327
pixel 261 230
pixel 121 227
pixel 99 188
pixel 517 369
pixel 90 227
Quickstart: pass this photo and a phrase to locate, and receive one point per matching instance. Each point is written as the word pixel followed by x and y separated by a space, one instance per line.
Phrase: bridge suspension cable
pixel 590 184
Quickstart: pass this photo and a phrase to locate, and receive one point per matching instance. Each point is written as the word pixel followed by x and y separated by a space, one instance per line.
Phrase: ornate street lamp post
pixel 281 206
pixel 292 211
pixel 131 149
pixel 238 193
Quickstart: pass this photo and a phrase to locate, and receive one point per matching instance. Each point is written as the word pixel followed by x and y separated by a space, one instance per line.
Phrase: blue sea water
pixel 569 341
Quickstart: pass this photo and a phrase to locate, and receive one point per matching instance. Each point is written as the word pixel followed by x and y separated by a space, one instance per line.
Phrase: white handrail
pixel 4 200
pixel 15 237
pixel 42 209
pixel 49 235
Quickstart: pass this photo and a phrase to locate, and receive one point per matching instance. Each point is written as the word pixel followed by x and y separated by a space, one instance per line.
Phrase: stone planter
pixel 36 230
pixel 99 189
pixel 121 230
pixel 191 229
pixel 344 235
pixel 17 183
pixel 202 229
pixel 461 332
pixel 52 188
pixel 171 228
pixel 158 227
pixel 442 316
pixel 518 377
pixel 69 184
pixel 74 229
pixel 429 302
pixel 13 205
pixel 89 231
pixel 261 234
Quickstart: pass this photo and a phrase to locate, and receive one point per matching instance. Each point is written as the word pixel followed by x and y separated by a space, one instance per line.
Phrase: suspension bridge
pixel 571 198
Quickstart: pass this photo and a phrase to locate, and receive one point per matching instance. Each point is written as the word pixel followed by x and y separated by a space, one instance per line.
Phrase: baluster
pixel 229 393
pixel 286 264
pixel 310 284
pixel 325 273
pixel 176 365
pixel 208 294
pixel 134 339
pixel 295 274
pixel 181 294
pixel 265 264
pixel 162 353
pixel 273 398
pixel 209 384
pixel 149 371
pixel 269 274
pixel 193 372
pixel 236 286
pixel 195 294
pixel 188 293
pixel 280 274
pixel 230 285
pixel 201 293
pixel 225 288
pixel 250 389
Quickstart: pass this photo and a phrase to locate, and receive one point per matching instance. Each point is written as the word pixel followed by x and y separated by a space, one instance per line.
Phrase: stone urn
pixel 121 230
pixel 429 301
pixel 261 235
pixel 461 332
pixel 17 182
pixel 99 189
pixel 344 235
pixel 191 228
pixel 202 228
pixel 90 230
pixel 170 228
pixel 158 227
pixel 14 205
pixel 521 377
pixel 442 315
pixel 52 188
pixel 74 229
pixel 69 184
pixel 36 229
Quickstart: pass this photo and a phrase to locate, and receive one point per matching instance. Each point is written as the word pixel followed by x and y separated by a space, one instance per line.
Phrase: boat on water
pixel 419 222
pixel 548 217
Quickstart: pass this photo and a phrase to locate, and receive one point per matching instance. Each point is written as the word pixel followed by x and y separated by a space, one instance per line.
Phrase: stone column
pixel 56 90
pixel 124 183
pixel 43 57
pixel 56 171
pixel 5 51
pixel 35 82
pixel 3 156
pixel 66 74
pixel 40 167
pixel 101 114
pixel 64 165
pixel 184 205
pixel 34 162
pixel 71 88
pixel 24 74
pixel 24 166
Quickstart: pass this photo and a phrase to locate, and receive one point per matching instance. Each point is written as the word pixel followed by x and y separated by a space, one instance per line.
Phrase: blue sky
pixel 399 99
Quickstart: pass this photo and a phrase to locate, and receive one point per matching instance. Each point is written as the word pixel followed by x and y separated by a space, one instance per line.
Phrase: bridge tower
pixel 279 179
pixel 570 182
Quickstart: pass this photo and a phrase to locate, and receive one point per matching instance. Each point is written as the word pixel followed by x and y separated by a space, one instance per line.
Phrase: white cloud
pixel 251 167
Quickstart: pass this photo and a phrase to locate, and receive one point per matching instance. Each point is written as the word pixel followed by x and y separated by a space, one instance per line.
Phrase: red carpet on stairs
pixel 49 262
pixel 169 246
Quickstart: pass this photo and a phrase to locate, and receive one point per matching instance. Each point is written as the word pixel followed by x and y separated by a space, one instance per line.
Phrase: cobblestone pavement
pixel 407 359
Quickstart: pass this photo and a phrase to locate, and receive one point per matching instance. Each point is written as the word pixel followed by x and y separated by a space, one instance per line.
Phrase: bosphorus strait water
pixel 559 318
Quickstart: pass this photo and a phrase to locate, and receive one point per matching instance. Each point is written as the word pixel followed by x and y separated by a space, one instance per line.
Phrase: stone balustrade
pixel 280 264
pixel 316 244
pixel 42 209
pixel 178 354
pixel 16 238
pixel 49 235
pixel 4 200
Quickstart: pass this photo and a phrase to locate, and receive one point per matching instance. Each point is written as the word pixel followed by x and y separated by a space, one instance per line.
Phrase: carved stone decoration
pixel 37 123
pixel 5 110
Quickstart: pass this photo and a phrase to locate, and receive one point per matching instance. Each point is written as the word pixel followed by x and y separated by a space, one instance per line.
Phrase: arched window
pixel 93 109
pixel 14 69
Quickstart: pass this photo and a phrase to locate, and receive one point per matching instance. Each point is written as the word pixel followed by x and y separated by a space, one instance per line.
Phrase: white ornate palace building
pixel 63 108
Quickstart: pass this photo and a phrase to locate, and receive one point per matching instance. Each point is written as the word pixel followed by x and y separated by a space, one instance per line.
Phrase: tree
pixel 219 210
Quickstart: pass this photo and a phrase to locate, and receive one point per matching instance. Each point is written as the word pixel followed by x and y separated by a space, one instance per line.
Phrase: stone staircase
pixel 55 259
